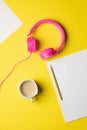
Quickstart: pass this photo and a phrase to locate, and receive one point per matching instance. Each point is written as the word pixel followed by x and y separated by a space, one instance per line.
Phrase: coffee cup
pixel 28 89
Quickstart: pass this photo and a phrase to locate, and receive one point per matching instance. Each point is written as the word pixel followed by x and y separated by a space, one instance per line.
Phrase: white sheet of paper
pixel 9 22
pixel 71 75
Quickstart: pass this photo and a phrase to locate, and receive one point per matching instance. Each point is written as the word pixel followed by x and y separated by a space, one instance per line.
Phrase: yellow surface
pixel 17 113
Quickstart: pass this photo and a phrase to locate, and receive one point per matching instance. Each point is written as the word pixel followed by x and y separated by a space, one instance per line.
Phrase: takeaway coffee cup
pixel 28 89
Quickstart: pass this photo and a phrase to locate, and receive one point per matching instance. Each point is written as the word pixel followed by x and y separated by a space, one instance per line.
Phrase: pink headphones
pixel 48 52
pixel 32 46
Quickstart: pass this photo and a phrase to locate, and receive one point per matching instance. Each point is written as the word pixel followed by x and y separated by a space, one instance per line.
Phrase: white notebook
pixel 69 76
pixel 9 22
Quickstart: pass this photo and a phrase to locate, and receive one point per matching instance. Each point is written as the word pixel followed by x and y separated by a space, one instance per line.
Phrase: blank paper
pixel 71 75
pixel 9 22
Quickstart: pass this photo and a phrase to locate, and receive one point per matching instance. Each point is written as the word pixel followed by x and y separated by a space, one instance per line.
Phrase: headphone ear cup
pixel 32 45
pixel 47 53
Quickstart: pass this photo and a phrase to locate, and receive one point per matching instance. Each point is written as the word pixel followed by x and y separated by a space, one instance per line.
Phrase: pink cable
pixel 14 68
pixel 60 28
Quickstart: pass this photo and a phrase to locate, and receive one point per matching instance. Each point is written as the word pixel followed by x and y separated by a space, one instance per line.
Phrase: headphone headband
pixel 59 27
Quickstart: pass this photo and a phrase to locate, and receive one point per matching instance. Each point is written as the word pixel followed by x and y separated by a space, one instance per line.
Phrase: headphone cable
pixel 11 71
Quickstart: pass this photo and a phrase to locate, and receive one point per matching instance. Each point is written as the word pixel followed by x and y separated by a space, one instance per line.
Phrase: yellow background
pixel 17 113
